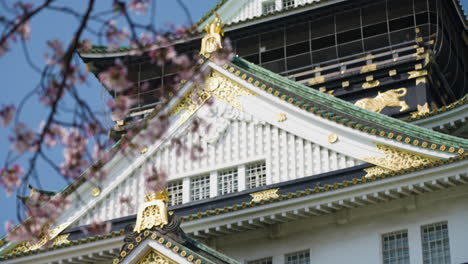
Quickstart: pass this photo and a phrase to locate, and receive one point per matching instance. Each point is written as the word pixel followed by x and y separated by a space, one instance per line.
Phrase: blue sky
pixel 18 78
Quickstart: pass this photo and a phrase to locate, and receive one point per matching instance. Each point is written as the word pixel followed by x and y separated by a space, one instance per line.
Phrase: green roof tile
pixel 336 106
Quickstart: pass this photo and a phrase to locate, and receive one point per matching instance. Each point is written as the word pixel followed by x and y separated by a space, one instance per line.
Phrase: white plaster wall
pixel 253 8
pixel 244 140
pixel 359 241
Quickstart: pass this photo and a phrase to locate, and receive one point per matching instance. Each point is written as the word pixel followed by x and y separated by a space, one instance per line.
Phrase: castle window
pixel 261 261
pixel 255 175
pixel 268 7
pixel 435 243
pixel 175 192
pixel 228 181
pixel 301 257
pixel 395 248
pixel 288 4
pixel 200 187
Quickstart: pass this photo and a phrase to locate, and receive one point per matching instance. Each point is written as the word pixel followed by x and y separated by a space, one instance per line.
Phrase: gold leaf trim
pixel 374 171
pixel 397 159
pixel 217 86
pixel 264 195
pixel 153 257
pixel 62 239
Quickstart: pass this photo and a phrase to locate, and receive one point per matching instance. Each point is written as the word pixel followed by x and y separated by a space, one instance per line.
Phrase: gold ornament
pixel 369 68
pixel 281 117
pixel 153 212
pixel 96 191
pixel 422 110
pixel 396 159
pixel 62 239
pixel 317 80
pixel 332 138
pixel 373 171
pixel 390 98
pixel 20 248
pixel 370 84
pixel 154 257
pixel 416 74
pixel 264 195
pixel 217 86
pixel 144 150
pixel 211 42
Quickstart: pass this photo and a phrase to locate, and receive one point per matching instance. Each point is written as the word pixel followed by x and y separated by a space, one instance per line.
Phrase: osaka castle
pixel 337 134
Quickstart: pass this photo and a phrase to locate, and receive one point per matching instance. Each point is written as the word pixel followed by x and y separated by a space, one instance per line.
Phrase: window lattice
pixel 261 261
pixel 227 181
pixel 269 7
pixel 395 248
pixel 435 243
pixel 255 175
pixel 200 188
pixel 175 192
pixel 301 257
pixel 288 3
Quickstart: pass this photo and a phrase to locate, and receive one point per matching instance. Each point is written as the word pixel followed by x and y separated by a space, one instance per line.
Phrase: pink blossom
pixel 86 45
pixel 139 6
pixel 126 204
pixel 120 107
pixel 6 113
pixel 24 30
pixel 52 134
pixel 23 139
pixel 23 233
pixel 94 128
pixel 51 93
pixel 224 55
pixel 115 77
pixel 155 179
pixel 41 210
pixel 25 7
pixel 97 228
pixel 3 47
pixel 10 178
pixel 57 52
pixel 9 225
pixel 74 160
pixel 115 36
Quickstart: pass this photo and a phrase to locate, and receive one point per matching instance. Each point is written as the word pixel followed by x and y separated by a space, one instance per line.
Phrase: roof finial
pixel 211 42
pixel 153 212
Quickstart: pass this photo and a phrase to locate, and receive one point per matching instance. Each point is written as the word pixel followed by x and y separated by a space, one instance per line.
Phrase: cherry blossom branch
pixel 23 19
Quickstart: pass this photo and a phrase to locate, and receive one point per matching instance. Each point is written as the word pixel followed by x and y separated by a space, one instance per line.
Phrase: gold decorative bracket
pixel 153 257
pixel 264 195
pixel 153 212
pixel 397 159
pixel 217 86
pixel 211 42
pixel 422 110
pixel 374 171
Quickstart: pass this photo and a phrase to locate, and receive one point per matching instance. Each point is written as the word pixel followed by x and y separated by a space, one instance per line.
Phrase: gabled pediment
pixel 255 115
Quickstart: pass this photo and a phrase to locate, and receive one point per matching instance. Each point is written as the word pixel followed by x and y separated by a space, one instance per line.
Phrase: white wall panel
pixel 254 8
pixel 243 140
